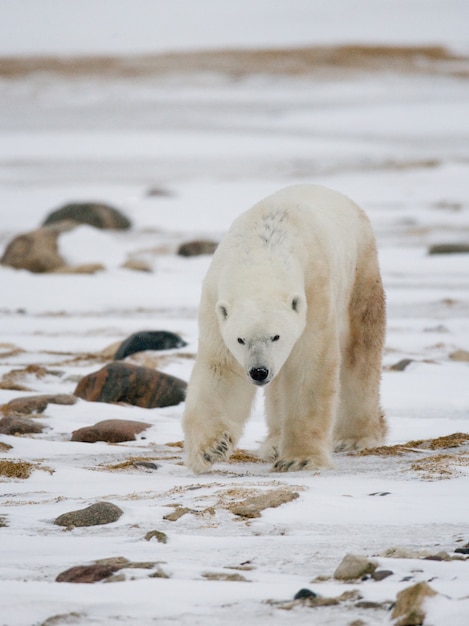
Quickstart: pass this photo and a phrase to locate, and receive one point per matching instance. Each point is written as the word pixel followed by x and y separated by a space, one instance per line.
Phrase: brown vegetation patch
pixel 243 456
pixel 294 61
pixel 15 469
pixel 440 466
pixel 448 441
pixel 14 379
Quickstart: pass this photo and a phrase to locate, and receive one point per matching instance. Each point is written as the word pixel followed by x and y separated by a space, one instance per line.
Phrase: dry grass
pixel 15 469
pixel 297 61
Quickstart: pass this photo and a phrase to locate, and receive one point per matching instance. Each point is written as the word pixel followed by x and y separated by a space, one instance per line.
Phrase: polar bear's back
pixel 297 219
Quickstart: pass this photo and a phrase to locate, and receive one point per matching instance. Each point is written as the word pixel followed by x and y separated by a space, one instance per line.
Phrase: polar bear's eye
pixel 241 341
pixel 275 338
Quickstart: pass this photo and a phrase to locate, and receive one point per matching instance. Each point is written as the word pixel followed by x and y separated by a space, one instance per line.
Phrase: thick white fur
pixel 293 288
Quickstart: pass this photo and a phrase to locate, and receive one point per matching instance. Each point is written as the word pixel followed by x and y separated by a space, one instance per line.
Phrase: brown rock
pixel 12 425
pixel 408 609
pixel 36 404
pixel 123 382
pixel 36 251
pixel 94 515
pixel 254 505
pixel 197 247
pixel 112 431
pixel 87 573
pixel 95 214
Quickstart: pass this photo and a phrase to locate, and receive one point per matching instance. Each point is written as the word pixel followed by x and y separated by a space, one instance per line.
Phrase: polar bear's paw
pixel 353 444
pixel 269 450
pixel 218 449
pixel 297 464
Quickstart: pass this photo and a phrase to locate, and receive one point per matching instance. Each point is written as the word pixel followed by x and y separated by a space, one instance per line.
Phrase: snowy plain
pixel 396 142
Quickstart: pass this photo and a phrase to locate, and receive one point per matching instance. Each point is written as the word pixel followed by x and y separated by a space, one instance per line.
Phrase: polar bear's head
pixel 260 335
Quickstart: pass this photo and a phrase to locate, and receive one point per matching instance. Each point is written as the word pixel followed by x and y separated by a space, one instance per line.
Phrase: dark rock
pixel 112 431
pixel 36 404
pixel 148 466
pixel 12 425
pixel 381 574
pixel 462 550
pixel 449 248
pixel 304 593
pixel 94 515
pixel 123 382
pixel 149 340
pixel 92 213
pixel 87 573
pixel 401 365
pixel 196 248
pixel 36 251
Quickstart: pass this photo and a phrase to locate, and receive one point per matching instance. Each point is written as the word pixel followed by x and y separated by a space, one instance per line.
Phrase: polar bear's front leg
pixel 218 404
pixel 308 415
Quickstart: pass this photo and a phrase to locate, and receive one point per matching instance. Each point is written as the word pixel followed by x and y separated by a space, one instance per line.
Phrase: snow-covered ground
pixel 396 142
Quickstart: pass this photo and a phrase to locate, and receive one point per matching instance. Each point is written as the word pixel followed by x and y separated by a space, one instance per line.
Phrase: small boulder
pixel 12 425
pixel 94 515
pixel 93 213
pixel 36 404
pixel 149 340
pixel 449 248
pixel 140 386
pixel 197 247
pixel 408 609
pixel 87 573
pixel 354 566
pixel 112 431
pixel 36 251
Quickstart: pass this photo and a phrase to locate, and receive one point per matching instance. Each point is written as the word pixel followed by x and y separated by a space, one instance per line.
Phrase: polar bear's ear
pixel 297 302
pixel 222 310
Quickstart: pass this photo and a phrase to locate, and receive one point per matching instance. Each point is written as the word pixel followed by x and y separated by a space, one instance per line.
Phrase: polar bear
pixel 293 302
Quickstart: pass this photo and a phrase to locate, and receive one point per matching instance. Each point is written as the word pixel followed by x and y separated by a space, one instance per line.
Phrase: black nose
pixel 258 374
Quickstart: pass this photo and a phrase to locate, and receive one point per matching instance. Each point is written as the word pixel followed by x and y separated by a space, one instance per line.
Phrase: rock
pixel 87 573
pixel 149 340
pixel 460 355
pixel 36 251
pixel 36 404
pixel 408 609
pixel 85 268
pixel 95 214
pixel 112 431
pixel 123 382
pixel 381 574
pixel 177 514
pixel 449 248
pixel 354 566
pixel 158 535
pixel 94 515
pixel 12 425
pixel 401 365
pixel 253 506
pixel 137 266
pixel 304 593
pixel 197 247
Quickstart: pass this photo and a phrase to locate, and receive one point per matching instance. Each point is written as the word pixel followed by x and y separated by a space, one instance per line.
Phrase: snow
pixel 397 143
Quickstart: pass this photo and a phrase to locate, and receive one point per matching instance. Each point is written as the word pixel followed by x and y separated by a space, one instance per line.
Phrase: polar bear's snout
pixel 260 375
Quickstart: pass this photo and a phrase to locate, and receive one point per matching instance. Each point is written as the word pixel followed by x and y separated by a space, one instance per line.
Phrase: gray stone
pixel 354 566
pixel 94 515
